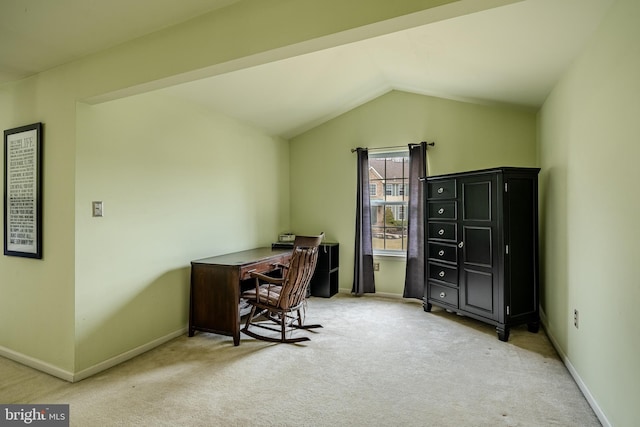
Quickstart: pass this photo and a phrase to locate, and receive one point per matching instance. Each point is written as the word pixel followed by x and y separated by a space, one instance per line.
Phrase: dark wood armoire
pixel 482 246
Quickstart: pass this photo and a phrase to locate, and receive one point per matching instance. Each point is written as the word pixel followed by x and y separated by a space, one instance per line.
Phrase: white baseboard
pixel 123 357
pixel 576 377
pixel 38 364
pixel 86 373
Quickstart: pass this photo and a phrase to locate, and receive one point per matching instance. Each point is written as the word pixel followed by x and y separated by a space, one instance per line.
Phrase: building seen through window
pixel 389 195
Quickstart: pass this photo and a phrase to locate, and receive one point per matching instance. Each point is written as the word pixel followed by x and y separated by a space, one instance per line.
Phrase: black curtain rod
pixel 431 144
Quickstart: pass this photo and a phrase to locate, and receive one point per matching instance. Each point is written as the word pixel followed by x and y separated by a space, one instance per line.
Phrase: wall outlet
pixel 575 318
pixel 376 266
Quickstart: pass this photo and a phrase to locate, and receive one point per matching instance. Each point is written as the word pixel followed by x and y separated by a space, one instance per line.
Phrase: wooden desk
pixel 216 285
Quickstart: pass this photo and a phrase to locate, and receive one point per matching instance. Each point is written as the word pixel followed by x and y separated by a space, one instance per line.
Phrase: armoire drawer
pixel 442 231
pixel 442 294
pixel 442 189
pixel 443 252
pixel 442 210
pixel 443 273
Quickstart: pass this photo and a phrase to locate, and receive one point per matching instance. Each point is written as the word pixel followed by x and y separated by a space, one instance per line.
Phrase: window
pixel 395 189
pixel 389 170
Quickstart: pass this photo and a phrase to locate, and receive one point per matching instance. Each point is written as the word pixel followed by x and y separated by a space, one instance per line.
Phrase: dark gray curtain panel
pixel 363 280
pixel 416 271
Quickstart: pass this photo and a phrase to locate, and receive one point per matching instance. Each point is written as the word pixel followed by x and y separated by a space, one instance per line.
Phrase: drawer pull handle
pixel 460 245
pixel 441 274
pixel 440 190
pixel 441 231
pixel 441 211
pixel 441 252
pixel 442 295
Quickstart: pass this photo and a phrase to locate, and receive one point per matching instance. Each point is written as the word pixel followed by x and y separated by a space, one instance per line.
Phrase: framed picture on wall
pixel 23 191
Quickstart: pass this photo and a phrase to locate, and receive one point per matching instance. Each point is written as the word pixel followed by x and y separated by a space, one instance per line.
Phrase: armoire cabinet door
pixel 479 237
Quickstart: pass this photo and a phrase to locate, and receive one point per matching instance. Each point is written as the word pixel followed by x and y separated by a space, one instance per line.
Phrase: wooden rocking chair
pixel 280 301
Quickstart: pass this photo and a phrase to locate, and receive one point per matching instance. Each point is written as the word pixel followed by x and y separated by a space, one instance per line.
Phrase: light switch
pixel 97 208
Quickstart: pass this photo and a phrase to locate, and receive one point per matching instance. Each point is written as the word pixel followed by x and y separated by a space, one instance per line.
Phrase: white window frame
pixel 396 189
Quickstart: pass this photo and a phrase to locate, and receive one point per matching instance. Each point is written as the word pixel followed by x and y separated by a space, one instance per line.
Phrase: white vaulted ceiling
pixel 512 54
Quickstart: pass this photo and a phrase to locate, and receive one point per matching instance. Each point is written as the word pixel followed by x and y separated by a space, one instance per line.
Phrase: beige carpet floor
pixel 376 362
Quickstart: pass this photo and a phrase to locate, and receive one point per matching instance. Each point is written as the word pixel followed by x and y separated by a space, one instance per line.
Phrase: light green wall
pixel 178 183
pixel 323 174
pixel 589 153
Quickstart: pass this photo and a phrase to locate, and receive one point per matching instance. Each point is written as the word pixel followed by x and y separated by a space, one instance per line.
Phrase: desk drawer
pixel 263 266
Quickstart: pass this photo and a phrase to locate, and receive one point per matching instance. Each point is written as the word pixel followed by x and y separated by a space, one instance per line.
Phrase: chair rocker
pixel 277 303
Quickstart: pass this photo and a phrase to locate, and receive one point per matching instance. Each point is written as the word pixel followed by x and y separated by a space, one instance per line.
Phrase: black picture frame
pixel 23 191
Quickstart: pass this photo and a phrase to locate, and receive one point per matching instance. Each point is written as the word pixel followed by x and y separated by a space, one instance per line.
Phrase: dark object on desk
pixel 216 285
pixel 325 279
pixel 281 300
